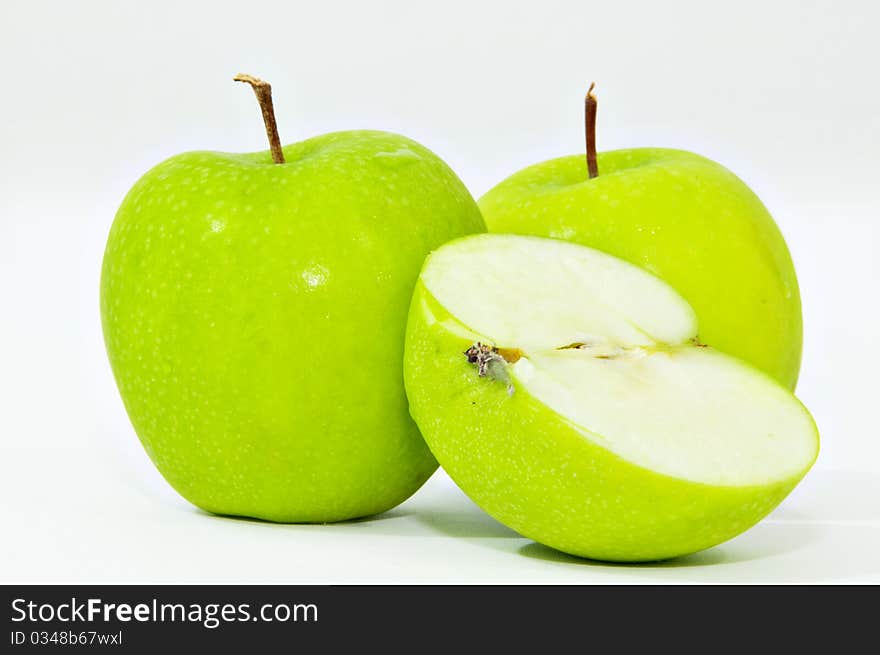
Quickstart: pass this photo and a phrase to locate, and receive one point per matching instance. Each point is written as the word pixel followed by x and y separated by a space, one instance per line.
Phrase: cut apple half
pixel 567 392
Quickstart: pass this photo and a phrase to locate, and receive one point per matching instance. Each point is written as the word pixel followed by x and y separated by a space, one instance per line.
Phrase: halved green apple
pixel 567 393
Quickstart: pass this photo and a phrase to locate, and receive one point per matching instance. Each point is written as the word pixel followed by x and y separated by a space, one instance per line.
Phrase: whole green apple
pixel 254 316
pixel 682 217
pixel 565 392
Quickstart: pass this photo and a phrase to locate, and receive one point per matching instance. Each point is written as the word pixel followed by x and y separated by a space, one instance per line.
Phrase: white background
pixel 94 93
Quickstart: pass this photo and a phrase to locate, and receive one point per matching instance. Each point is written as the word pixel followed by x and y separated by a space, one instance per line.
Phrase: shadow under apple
pixel 784 547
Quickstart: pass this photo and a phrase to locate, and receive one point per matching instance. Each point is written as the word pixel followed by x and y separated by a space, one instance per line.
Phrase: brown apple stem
pixel 263 91
pixel 590 116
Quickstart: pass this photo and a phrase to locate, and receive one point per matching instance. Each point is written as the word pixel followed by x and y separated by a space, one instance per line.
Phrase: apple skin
pixel 536 473
pixel 684 218
pixel 254 317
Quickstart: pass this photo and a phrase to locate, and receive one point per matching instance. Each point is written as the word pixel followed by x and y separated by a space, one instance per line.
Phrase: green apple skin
pixel 254 317
pixel 684 218
pixel 533 471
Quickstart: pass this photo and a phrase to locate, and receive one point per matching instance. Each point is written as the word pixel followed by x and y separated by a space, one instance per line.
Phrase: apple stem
pixel 590 107
pixel 263 91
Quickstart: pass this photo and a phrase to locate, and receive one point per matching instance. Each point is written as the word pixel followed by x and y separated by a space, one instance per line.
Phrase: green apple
pixel 571 396
pixel 254 316
pixel 684 218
